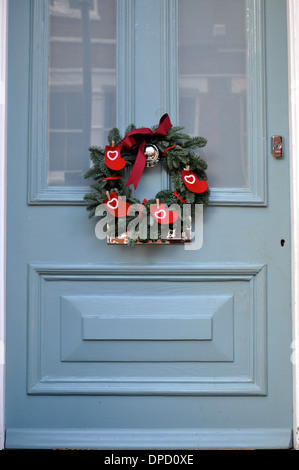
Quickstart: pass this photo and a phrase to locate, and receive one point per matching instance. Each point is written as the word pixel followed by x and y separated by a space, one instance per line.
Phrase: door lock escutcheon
pixel 277 146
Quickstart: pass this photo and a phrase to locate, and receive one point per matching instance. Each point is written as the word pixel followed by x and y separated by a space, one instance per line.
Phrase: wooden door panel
pixel 142 336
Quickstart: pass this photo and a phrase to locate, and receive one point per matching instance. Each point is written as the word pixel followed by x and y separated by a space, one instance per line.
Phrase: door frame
pixel 293 55
pixel 3 108
pixel 293 60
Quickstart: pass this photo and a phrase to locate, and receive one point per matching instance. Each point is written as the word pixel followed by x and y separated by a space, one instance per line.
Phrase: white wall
pixel 3 67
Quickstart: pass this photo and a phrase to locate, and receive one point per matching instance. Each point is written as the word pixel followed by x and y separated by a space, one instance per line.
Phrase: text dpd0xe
pixel 171 459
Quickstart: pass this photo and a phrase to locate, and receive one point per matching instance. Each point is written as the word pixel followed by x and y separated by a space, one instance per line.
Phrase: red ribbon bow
pixel 135 138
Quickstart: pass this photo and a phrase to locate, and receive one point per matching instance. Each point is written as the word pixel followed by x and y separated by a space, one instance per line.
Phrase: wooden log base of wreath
pixel 172 239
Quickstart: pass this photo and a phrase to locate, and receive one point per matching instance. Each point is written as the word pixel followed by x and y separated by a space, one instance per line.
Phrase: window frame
pixel 38 190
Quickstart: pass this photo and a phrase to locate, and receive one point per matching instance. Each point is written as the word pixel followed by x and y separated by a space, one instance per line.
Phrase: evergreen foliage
pixel 180 153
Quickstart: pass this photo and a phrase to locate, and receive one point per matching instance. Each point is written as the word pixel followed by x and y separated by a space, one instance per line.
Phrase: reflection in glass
pixel 213 84
pixel 81 85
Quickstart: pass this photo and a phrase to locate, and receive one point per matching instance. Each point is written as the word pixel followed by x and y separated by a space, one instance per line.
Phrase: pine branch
pixel 114 136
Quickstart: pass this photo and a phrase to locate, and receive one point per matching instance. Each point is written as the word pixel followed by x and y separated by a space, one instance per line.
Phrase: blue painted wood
pixel 125 68
pixel 212 438
pixel 233 297
pixel 234 389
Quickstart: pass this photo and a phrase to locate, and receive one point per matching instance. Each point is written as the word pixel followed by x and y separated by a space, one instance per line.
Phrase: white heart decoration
pixel 112 152
pixel 190 179
pixel 111 203
pixel 157 214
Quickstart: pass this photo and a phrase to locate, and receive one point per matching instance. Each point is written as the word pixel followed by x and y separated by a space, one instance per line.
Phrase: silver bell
pixel 152 155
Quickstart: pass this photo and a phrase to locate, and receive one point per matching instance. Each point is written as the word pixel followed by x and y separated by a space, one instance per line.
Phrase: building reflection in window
pixel 213 84
pixel 82 83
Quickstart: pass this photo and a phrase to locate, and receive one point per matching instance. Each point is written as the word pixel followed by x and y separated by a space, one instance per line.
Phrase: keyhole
pixel 282 242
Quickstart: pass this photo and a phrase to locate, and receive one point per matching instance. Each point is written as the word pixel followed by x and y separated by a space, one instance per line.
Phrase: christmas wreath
pixel 141 148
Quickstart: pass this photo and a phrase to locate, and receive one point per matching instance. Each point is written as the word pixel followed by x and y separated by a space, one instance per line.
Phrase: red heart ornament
pixel 193 183
pixel 116 206
pixel 162 215
pixel 113 159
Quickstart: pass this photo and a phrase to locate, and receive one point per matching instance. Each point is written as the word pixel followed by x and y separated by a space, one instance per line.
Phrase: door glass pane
pixel 213 84
pixel 82 85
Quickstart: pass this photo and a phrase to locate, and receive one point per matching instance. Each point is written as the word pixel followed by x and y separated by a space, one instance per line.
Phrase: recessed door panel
pixel 147 343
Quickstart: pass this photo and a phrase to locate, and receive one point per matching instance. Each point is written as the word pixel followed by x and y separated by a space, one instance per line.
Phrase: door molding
pixel 39 192
pixel 293 54
pixel 238 371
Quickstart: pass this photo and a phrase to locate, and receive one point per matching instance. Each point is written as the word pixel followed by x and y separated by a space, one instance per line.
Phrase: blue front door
pixel 110 346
